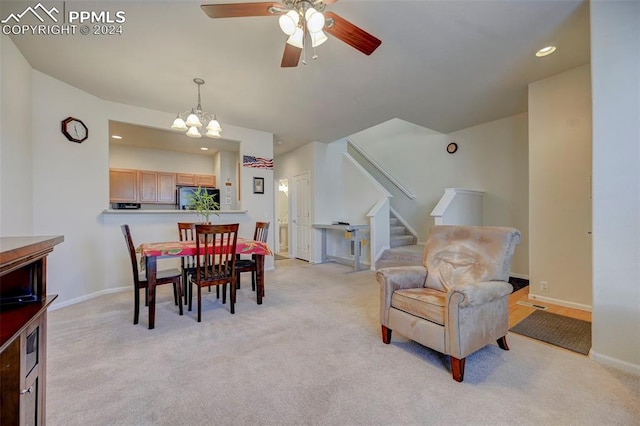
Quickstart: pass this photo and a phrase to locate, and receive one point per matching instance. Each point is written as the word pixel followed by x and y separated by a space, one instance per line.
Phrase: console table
pixel 23 328
pixel 352 233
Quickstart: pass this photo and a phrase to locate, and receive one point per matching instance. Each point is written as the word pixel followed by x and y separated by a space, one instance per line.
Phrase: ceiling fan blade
pixel 291 56
pixel 241 10
pixel 352 35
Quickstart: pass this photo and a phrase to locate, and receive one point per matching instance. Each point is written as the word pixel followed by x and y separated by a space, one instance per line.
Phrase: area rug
pixel 558 330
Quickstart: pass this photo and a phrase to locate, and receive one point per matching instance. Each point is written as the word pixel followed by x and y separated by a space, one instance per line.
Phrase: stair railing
pixel 381 169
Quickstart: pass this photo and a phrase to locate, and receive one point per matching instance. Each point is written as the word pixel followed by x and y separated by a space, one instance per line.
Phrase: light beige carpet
pixel 310 355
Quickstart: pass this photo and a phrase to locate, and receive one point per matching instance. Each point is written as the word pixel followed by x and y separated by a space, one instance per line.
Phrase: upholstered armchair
pixel 456 303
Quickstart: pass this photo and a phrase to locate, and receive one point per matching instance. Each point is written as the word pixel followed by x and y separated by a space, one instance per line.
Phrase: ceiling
pixel 444 65
pixel 154 138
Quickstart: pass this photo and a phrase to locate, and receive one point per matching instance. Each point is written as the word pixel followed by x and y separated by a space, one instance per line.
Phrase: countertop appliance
pixel 125 206
pixel 183 198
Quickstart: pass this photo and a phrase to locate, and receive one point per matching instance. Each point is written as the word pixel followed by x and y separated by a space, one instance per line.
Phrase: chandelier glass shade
pixel 196 118
pixel 303 18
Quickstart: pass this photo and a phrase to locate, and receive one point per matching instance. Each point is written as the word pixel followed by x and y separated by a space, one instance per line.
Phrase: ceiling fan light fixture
pixel 296 38
pixel 315 20
pixel 179 124
pixel 193 132
pixel 289 22
pixel 318 38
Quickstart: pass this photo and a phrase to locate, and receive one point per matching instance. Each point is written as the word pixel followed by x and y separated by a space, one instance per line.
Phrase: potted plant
pixel 204 203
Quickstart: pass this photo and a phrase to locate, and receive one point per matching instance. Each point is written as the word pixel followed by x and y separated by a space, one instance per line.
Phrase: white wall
pixel 134 157
pixel 491 157
pixel 300 160
pixel 227 172
pixel 16 171
pixel 615 65
pixel 70 185
pixel 559 188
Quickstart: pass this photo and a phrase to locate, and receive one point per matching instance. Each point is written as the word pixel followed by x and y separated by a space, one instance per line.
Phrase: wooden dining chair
pixel 249 265
pixel 187 232
pixel 215 265
pixel 166 276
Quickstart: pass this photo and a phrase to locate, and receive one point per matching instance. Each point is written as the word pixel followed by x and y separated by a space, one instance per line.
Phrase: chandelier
pixel 303 17
pixel 196 118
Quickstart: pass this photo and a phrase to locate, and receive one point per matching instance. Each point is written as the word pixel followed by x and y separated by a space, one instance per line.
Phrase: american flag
pixel 257 162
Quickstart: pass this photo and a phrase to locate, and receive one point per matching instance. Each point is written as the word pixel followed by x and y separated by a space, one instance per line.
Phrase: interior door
pixel 301 222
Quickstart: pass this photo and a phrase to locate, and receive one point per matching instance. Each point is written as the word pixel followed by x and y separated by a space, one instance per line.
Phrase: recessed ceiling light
pixel 545 51
pixel 204 148
pixel 116 137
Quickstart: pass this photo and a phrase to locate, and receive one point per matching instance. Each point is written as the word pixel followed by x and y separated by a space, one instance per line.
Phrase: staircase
pixel 399 234
pixel 404 250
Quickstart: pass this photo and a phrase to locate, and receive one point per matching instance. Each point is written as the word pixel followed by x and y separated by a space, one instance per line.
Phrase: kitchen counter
pixel 143 211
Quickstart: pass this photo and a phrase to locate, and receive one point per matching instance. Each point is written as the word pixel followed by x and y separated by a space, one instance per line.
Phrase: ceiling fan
pixel 300 20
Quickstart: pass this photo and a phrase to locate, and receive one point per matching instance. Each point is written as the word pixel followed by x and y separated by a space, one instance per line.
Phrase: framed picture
pixel 258 185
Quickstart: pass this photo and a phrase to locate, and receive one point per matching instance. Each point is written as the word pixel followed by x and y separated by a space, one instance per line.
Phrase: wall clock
pixel 74 130
pixel 452 147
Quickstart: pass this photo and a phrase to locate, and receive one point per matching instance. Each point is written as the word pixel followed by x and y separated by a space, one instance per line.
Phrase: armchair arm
pixel 476 314
pixel 397 278
pixel 479 293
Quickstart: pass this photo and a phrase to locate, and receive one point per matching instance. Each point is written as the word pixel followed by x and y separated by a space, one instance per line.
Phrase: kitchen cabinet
pixel 189 179
pixel 151 187
pixel 206 180
pixel 157 187
pixel 123 186
pixel 23 329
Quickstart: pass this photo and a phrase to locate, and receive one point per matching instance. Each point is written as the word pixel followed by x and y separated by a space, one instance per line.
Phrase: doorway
pixel 282 212
pixel 301 217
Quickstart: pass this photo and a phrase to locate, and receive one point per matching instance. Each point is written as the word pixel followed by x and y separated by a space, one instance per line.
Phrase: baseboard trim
pixel 559 302
pixel 520 276
pixel 618 364
pixel 86 297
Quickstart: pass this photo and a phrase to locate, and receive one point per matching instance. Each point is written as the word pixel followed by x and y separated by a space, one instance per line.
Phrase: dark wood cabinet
pixel 23 328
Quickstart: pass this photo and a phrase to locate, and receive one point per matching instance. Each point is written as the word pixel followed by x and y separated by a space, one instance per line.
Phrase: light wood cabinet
pixel 206 180
pixel 157 187
pixel 147 186
pixel 185 179
pixel 123 186
pixel 166 188
pixel 188 179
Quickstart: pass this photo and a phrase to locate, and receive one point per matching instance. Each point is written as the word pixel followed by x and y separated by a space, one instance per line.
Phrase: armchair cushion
pixel 456 255
pixel 425 303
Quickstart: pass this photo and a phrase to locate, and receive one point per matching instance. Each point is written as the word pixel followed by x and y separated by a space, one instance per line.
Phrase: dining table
pixel 151 252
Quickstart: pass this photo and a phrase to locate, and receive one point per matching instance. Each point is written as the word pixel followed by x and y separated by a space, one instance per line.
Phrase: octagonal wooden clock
pixel 74 130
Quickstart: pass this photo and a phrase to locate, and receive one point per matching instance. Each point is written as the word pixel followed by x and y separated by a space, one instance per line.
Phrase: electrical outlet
pixel 544 286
